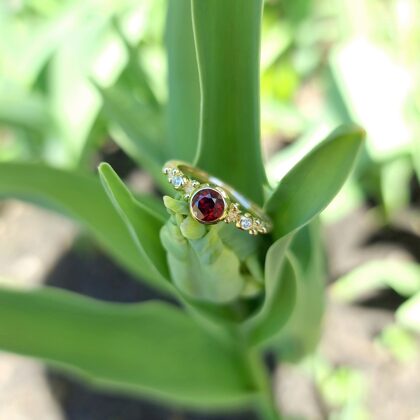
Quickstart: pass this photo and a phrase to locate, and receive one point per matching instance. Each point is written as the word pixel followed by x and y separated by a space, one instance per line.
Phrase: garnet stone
pixel 207 205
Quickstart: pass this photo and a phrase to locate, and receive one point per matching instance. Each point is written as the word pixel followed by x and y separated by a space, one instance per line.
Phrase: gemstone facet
pixel 207 205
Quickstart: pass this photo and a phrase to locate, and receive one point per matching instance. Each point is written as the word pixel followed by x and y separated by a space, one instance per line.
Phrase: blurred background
pixel 78 79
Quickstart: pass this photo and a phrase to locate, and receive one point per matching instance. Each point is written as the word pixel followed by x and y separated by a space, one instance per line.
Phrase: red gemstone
pixel 207 205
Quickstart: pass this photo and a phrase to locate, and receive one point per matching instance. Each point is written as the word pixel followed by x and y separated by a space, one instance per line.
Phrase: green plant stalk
pixel 266 406
pixel 261 381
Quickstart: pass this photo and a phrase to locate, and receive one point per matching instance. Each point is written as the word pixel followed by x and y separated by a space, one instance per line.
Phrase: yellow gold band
pixel 226 203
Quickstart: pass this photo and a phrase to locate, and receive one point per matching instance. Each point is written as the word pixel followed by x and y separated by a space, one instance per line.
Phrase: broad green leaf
pixel 135 131
pixel 401 276
pixel 151 349
pixel 302 331
pixel 227 39
pixel 79 196
pixel 134 78
pixel 142 223
pixel 74 102
pixel 310 185
pixel 279 295
pixel 408 314
pixel 22 110
pixel 184 90
pixel 27 44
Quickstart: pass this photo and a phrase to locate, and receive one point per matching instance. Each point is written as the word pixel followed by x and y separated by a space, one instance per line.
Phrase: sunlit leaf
pixel 184 90
pixel 81 197
pixel 408 314
pixel 301 334
pixel 21 110
pixel 310 185
pixel 227 42
pixel 279 295
pixel 136 130
pixel 150 349
pixel 142 223
pixel 401 276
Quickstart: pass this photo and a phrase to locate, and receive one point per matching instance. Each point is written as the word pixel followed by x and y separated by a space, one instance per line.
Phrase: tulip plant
pixel 239 295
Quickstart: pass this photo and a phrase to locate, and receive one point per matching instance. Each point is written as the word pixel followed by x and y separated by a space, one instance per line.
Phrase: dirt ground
pixel 38 247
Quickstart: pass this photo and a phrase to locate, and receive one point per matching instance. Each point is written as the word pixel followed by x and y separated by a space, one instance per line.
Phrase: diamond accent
pixel 209 204
pixel 177 181
pixel 245 222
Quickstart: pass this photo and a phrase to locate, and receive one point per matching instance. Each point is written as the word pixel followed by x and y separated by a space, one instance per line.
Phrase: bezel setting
pixel 237 210
pixel 223 197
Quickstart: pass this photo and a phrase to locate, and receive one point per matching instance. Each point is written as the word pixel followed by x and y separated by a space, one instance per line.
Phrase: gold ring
pixel 211 200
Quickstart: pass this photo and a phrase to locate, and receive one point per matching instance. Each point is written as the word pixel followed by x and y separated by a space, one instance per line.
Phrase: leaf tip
pixel 105 169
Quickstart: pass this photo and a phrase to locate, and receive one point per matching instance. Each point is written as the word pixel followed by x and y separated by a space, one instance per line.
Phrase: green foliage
pixel 131 132
pixel 227 45
pixel 279 295
pixel 81 197
pixel 401 276
pixel 244 294
pixel 125 346
pixel 301 333
pixel 141 221
pixel 183 83
pixel 314 181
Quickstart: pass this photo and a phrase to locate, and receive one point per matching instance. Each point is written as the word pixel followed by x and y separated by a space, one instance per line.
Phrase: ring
pixel 211 200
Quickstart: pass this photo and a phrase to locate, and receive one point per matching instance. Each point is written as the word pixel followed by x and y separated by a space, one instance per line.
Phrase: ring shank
pixel 204 177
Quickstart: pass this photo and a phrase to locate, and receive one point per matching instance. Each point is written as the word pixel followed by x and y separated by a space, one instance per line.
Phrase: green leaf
pixel 395 178
pixel 134 131
pixel 79 196
pixel 74 102
pixel 402 344
pixel 302 331
pixel 184 90
pixel 143 224
pixel 401 276
pixel 279 295
pixel 227 39
pixel 134 78
pixel 308 188
pixel 21 110
pixel 408 314
pixel 151 349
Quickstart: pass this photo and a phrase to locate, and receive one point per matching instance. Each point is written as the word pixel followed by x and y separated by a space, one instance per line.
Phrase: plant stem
pixel 266 405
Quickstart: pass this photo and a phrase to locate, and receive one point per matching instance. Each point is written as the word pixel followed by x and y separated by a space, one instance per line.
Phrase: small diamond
pixel 177 181
pixel 245 222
